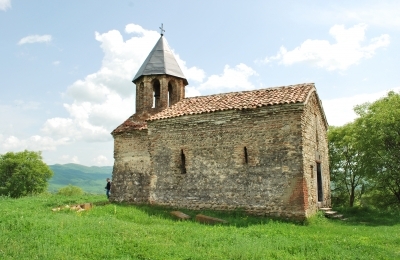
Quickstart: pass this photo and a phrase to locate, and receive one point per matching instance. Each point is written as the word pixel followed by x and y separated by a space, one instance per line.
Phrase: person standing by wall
pixel 108 187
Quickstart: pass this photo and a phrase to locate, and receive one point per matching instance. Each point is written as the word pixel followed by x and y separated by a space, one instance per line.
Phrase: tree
pixel 346 164
pixel 70 190
pixel 378 130
pixel 23 173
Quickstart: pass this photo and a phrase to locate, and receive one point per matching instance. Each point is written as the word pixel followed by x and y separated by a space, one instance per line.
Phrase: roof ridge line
pixel 244 91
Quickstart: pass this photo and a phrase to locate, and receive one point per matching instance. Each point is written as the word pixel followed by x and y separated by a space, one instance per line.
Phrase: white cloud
pixel 347 51
pixel 340 111
pixel 36 143
pixel 68 159
pixel 100 160
pixel 192 73
pixel 35 39
pixel 191 91
pixel 232 79
pixel 74 159
pixel 5 4
pixel 56 63
pixel 76 129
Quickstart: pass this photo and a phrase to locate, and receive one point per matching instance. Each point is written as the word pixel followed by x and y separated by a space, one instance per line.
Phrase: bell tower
pixel 160 82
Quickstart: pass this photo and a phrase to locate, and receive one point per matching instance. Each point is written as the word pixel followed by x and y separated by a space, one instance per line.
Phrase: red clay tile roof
pixel 130 124
pixel 237 100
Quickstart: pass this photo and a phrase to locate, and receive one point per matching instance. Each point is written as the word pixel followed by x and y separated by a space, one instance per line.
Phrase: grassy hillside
pixel 90 179
pixel 30 230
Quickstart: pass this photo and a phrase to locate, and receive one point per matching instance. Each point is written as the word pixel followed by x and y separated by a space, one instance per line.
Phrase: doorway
pixel 319 182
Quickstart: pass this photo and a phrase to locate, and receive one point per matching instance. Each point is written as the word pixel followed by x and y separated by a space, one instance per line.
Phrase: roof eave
pixel 137 79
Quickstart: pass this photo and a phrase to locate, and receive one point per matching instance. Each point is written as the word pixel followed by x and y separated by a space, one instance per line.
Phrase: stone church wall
pixel 236 159
pixel 131 172
pixel 315 150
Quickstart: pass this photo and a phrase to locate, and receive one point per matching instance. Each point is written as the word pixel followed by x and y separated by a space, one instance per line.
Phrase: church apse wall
pixel 131 171
pixel 248 159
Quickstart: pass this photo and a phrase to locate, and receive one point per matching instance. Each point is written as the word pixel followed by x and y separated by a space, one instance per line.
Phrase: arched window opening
pixel 246 158
pixel 171 93
pixel 156 93
pixel 183 163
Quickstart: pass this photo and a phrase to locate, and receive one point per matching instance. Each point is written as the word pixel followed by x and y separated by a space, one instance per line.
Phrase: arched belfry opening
pixel 156 93
pixel 171 92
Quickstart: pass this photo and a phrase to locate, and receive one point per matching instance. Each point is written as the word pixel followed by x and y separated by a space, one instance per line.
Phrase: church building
pixel 263 151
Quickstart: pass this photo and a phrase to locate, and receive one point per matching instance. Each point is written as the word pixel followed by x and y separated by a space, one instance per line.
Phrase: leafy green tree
pixel 378 130
pixel 23 173
pixel 346 164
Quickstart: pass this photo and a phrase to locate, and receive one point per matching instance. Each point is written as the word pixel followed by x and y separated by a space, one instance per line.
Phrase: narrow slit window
pixel 246 157
pixel 183 162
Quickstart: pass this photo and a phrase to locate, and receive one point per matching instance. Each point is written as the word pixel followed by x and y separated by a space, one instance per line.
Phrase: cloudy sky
pixel 67 66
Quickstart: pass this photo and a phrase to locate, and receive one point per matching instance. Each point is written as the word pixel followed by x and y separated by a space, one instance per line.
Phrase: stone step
pixel 209 220
pixel 325 209
pixel 180 215
pixel 330 213
pixel 340 216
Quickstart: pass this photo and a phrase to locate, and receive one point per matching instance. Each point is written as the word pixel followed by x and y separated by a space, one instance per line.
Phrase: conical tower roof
pixel 160 61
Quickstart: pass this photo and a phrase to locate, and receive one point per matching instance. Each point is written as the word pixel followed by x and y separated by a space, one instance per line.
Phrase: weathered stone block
pixel 209 220
pixel 180 215
pixel 86 206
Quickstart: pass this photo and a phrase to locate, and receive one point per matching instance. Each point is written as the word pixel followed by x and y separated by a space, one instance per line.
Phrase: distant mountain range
pixel 91 179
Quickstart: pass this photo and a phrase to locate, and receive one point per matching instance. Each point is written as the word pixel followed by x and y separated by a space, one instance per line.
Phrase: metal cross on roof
pixel 162 30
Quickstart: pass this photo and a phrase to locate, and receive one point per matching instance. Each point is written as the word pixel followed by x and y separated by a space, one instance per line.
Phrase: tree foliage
pixel 23 173
pixel 346 165
pixel 70 190
pixel 366 153
pixel 378 132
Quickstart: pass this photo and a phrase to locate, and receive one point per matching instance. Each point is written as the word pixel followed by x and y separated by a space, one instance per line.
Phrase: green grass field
pixel 29 229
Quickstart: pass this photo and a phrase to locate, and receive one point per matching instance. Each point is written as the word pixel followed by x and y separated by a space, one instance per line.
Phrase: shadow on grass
pixel 369 216
pixel 237 218
pixel 354 216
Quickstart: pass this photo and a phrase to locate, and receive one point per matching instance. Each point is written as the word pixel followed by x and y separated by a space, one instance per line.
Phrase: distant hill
pixel 91 179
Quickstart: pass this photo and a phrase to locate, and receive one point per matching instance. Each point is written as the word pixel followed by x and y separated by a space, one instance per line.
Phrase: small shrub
pixel 70 191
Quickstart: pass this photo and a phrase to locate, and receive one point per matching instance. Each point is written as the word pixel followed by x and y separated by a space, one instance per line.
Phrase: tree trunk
pixel 351 202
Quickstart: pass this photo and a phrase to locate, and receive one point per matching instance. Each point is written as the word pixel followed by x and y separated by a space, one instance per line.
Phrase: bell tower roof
pixel 160 61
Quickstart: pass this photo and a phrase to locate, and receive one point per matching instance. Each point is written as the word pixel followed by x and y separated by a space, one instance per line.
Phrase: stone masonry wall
pixel 131 172
pixel 199 161
pixel 315 150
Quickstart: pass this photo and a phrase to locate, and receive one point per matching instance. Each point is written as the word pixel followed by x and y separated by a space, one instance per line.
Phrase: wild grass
pixel 30 230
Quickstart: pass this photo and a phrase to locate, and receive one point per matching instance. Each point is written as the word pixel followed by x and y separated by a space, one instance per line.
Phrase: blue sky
pixel 67 66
